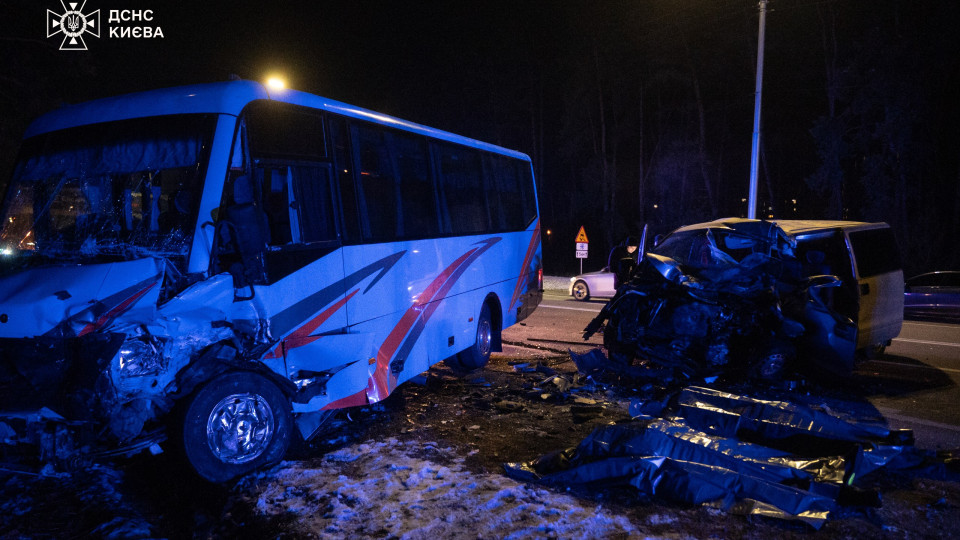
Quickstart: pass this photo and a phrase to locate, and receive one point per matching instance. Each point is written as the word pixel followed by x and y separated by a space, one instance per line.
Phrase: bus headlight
pixel 139 357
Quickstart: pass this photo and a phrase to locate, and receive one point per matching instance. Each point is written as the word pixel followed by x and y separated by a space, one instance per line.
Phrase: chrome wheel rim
pixel 772 365
pixel 484 337
pixel 240 428
pixel 580 291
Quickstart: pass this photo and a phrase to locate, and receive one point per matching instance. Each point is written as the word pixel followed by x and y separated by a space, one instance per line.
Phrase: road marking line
pixel 925 342
pixel 571 308
pixel 916 366
pixel 893 413
pixel 929 324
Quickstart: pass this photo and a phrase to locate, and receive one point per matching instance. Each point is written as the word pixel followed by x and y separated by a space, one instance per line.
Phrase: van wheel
pixel 477 355
pixel 873 352
pixel 773 364
pixel 234 424
pixel 581 291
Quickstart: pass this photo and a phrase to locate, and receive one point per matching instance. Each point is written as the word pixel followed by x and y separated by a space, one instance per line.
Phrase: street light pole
pixel 755 154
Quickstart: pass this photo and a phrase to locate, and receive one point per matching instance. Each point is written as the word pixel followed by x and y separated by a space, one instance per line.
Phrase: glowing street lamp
pixel 276 83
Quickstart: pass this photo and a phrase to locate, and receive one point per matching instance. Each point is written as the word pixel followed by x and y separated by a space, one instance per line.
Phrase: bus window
pixel 504 193
pixel 314 203
pixel 343 163
pixel 418 200
pixel 528 198
pixel 377 189
pixel 463 196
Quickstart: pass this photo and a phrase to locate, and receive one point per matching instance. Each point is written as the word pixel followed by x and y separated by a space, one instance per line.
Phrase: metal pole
pixel 755 154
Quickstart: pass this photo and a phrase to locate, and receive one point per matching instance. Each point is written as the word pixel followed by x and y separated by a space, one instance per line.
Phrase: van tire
pixel 237 407
pixel 773 364
pixel 478 354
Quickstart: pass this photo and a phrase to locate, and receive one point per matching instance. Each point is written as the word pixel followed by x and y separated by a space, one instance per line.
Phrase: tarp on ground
pixel 704 460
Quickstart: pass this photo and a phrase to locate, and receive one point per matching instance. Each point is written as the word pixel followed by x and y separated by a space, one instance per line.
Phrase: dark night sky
pixel 530 75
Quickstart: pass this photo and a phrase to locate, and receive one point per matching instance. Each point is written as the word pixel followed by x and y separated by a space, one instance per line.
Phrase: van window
pixel 875 251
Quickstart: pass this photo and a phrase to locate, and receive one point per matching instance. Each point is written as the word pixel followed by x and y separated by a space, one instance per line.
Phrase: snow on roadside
pixel 556 283
pixel 419 490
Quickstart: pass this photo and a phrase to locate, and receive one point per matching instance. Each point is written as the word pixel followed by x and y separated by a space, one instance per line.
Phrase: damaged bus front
pixel 258 259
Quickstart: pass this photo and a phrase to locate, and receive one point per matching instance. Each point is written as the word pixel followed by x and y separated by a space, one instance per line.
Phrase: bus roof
pixel 225 98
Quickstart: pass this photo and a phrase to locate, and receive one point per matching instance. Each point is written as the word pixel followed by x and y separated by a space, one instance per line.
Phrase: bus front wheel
pixel 235 424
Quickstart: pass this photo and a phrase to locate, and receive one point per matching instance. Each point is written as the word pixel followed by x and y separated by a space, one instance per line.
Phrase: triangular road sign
pixel 582 235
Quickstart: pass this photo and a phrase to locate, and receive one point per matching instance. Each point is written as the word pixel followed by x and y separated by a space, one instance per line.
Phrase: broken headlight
pixel 140 357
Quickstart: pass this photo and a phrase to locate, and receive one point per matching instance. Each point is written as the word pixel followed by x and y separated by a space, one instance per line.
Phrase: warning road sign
pixel 582 236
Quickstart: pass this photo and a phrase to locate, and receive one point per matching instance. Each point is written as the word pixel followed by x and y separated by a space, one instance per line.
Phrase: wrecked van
pixel 220 266
pixel 756 296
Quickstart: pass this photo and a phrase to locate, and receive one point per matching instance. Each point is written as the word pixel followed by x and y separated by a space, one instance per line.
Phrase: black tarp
pixel 799 463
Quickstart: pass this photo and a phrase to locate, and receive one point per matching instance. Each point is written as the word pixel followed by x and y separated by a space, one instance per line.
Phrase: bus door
pixel 302 292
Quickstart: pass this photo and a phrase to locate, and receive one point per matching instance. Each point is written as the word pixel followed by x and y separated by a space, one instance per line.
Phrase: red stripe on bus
pixel 116 311
pixel 353 400
pixel 381 374
pixel 304 331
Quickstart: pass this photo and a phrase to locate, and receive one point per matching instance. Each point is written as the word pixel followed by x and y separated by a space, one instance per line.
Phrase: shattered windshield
pixel 108 191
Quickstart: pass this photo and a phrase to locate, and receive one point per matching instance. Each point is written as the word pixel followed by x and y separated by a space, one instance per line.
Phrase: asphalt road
pixel 915 384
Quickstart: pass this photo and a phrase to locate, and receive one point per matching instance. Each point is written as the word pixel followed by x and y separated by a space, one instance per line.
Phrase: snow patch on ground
pixel 420 490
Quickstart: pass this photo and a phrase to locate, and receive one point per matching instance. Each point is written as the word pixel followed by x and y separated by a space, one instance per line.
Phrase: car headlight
pixel 139 357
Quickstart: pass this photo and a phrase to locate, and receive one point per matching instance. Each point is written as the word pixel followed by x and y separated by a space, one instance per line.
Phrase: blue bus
pixel 237 262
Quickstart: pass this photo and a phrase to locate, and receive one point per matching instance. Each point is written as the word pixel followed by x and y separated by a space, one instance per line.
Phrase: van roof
pixel 224 98
pixel 791 227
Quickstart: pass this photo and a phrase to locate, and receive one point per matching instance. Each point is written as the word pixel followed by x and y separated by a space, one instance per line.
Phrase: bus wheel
pixel 477 355
pixel 234 424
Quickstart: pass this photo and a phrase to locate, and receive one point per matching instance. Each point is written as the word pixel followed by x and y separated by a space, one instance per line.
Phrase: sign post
pixel 582 245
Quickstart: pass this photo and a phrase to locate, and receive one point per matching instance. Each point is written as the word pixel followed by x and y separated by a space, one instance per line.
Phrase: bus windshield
pixel 110 191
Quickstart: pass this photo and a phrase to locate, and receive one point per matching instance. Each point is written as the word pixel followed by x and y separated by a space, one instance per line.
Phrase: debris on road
pixel 738 453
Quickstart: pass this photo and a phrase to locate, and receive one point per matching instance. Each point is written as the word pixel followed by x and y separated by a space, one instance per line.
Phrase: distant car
pixel 934 295
pixel 598 284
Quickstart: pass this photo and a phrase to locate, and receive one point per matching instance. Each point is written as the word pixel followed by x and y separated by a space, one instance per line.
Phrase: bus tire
pixel 478 354
pixel 234 424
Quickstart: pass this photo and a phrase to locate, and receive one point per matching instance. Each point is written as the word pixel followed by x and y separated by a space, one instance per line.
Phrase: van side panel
pixel 880 281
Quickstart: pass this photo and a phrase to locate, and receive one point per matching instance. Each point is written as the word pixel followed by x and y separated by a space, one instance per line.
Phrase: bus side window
pixel 528 197
pixel 313 203
pixel 343 163
pixel 418 198
pixel 463 196
pixel 504 194
pixel 377 197
pixel 276 199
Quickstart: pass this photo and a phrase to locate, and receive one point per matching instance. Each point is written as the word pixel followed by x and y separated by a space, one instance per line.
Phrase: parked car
pixel 934 295
pixel 592 284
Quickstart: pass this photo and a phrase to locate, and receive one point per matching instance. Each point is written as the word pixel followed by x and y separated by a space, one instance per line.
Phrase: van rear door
pixel 880 281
